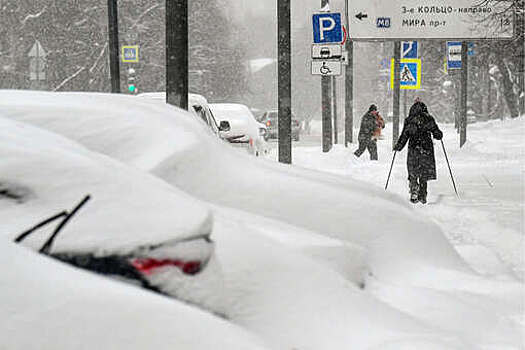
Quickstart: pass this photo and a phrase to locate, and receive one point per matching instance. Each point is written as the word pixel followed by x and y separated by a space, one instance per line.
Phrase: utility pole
pixel 405 103
pixel 334 101
pixel 285 81
pixel 177 53
pixel 349 94
pixel 114 59
pixel 397 88
pixel 464 94
pixel 349 86
pixel 326 106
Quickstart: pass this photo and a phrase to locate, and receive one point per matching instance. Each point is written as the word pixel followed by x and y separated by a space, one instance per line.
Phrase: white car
pixel 198 106
pixel 244 129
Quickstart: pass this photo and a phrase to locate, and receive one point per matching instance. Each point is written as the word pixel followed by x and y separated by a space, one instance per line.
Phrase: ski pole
pixel 390 172
pixel 449 169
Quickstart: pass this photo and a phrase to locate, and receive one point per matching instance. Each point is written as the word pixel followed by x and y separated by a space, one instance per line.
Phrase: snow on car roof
pixel 129 208
pixel 231 111
pixel 161 96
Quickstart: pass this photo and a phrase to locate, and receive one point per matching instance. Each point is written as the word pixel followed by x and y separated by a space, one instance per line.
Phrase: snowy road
pixel 485 224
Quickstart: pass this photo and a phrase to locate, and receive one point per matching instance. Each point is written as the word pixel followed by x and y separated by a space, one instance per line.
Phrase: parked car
pixel 270 119
pixel 98 214
pixel 244 130
pixel 199 107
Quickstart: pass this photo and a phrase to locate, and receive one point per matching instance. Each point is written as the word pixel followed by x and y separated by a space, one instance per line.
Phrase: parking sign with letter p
pixel 327 28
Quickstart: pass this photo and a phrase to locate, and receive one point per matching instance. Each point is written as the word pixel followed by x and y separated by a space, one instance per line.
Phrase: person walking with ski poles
pixel 418 129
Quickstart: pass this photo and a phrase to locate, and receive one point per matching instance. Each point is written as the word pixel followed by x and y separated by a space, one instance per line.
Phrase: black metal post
pixel 177 53
pixel 397 88
pixel 285 82
pixel 327 114
pixel 349 94
pixel 349 86
pixel 326 106
pixel 334 110
pixel 464 94
pixel 489 94
pixel 405 103
pixel 114 59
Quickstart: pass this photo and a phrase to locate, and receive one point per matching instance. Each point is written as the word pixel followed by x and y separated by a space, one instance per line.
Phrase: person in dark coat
pixel 368 125
pixel 418 128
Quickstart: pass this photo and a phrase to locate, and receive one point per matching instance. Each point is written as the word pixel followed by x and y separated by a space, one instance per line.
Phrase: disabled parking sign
pixel 327 27
pixel 409 74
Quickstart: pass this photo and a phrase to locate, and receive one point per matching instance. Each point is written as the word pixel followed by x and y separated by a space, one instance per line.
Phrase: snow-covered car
pixel 271 120
pixel 49 305
pixel 130 224
pixel 244 129
pixel 198 106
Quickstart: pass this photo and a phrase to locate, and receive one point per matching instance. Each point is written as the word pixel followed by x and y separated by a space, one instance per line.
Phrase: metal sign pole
pixel 326 106
pixel 285 82
pixel 177 53
pixel 114 64
pixel 349 86
pixel 464 95
pixel 397 73
pixel 334 100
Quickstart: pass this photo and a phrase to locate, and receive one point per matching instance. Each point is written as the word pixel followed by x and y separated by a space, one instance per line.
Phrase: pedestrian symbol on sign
pixel 406 75
pixel 409 74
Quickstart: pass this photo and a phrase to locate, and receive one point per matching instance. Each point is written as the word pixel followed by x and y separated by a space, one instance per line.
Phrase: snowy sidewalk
pixel 486 224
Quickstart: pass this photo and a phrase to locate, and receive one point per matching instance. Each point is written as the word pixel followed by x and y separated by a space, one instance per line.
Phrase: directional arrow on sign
pixel 361 15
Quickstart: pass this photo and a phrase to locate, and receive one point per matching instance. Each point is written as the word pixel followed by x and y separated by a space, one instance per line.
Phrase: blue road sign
pixel 410 74
pixel 409 49
pixel 130 54
pixel 453 55
pixel 327 28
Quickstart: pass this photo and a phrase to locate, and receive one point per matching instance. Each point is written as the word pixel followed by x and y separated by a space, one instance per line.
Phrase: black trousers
pixel 371 145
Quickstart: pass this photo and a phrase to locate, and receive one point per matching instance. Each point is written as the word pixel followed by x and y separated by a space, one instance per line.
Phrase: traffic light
pixel 132 86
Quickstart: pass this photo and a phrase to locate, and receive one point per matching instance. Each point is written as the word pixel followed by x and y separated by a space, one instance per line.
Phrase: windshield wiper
pixel 64 215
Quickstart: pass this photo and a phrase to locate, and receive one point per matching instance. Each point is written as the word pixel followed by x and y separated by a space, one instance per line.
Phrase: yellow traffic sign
pixel 410 74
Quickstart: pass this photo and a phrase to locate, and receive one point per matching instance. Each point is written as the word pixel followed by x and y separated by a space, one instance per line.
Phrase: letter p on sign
pixel 327 28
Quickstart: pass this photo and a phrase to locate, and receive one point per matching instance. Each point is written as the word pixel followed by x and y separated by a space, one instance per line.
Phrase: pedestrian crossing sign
pixel 409 74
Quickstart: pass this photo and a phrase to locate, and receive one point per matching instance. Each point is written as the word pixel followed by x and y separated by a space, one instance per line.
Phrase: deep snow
pixel 301 294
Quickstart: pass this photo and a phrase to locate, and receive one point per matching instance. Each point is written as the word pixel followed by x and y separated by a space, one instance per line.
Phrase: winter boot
pixel 422 195
pixel 414 190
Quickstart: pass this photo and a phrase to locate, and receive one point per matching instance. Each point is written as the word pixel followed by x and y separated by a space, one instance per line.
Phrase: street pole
pixel 334 101
pixel 349 86
pixel 177 53
pixel 489 94
pixel 114 60
pixel 397 88
pixel 285 82
pixel 326 106
pixel 405 104
pixel 464 85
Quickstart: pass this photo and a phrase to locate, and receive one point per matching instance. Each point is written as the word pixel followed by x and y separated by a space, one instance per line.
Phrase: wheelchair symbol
pixel 325 70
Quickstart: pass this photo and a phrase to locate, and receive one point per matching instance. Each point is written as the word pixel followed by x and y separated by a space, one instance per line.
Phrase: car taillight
pixel 147 266
pixel 296 122
pixel 268 123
